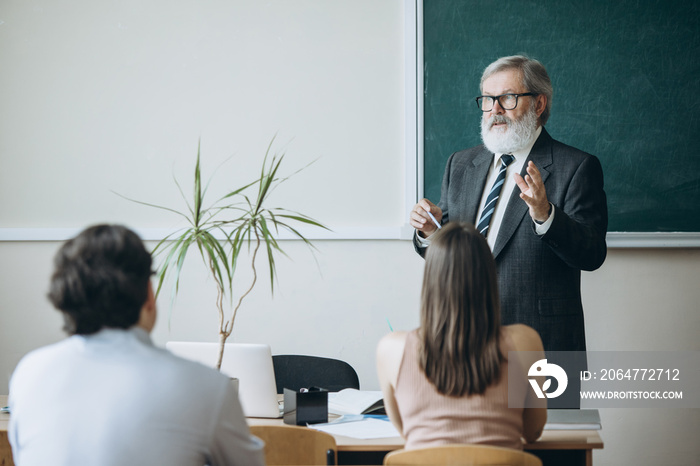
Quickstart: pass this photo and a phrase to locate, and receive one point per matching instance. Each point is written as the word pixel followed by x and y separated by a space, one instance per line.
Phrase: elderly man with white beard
pixel 540 204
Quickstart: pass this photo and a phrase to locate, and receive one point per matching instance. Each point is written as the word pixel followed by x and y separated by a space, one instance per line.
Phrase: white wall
pixel 645 299
pixel 337 304
pixel 114 96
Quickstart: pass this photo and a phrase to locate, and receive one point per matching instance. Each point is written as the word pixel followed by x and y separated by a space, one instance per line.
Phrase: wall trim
pixel 614 239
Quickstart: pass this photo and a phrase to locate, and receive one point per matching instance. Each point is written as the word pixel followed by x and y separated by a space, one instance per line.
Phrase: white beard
pixel 517 135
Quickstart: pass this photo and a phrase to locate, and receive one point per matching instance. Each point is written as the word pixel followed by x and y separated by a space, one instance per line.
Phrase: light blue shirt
pixel 112 398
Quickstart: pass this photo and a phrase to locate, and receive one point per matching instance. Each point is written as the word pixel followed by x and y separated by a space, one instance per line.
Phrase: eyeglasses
pixel 506 101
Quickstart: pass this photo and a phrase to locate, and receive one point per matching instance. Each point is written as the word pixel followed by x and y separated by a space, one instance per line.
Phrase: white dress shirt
pixel 506 191
pixel 112 398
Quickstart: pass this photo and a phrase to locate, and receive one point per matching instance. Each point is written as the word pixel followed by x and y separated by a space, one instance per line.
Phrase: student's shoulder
pixel 523 337
pixel 50 353
pixel 391 348
pixel 163 357
pixel 389 356
pixel 392 341
pixel 41 361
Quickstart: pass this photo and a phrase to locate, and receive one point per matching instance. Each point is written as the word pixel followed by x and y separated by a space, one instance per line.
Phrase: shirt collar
pixel 111 335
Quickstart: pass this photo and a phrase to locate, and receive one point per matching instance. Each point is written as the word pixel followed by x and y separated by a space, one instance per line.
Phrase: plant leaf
pixel 153 205
pixel 197 188
pixel 172 250
pixel 303 219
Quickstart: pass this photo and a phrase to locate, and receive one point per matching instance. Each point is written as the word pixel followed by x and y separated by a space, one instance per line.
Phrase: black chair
pixel 295 371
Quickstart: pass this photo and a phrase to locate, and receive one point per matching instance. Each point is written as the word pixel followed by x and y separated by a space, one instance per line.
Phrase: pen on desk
pixel 437 224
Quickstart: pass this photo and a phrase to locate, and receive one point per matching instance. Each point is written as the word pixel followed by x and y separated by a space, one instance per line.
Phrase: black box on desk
pixel 301 408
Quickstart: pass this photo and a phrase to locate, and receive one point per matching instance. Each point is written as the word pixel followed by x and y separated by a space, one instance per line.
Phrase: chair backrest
pixel 295 371
pixel 462 455
pixel 294 445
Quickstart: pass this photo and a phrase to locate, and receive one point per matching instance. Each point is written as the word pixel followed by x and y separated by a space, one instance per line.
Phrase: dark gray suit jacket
pixel 539 277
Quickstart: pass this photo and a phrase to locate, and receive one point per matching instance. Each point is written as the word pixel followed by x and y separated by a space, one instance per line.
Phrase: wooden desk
pixel 570 447
pixel 5 450
pixel 555 447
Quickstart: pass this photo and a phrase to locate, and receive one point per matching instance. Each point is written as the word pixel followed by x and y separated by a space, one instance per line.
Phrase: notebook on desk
pixel 572 419
pixel 251 364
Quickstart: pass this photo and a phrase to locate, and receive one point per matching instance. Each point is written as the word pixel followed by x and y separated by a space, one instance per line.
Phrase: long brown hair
pixel 460 314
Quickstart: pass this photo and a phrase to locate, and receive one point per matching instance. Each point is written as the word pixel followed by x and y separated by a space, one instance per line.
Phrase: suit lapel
pixel 517 210
pixel 473 183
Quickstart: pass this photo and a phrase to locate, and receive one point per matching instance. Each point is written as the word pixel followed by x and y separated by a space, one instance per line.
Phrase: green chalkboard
pixel 626 77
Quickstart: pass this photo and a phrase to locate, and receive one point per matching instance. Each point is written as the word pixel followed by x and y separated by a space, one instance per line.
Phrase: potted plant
pixel 219 231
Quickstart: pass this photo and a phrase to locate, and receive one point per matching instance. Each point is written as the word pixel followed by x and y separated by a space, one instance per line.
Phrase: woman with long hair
pixel 451 380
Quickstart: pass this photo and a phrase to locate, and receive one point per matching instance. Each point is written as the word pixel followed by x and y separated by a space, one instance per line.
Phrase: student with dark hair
pixel 106 395
pixel 448 381
pixel 101 279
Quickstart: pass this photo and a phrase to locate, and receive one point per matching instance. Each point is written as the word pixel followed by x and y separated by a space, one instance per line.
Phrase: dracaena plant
pixel 219 232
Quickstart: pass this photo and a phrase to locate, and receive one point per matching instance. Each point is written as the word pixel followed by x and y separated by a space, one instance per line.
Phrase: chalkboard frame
pixel 632 239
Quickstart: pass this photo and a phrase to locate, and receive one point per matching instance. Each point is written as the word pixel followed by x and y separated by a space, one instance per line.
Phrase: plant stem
pixel 220 307
pixel 226 329
pixel 229 328
pixel 222 342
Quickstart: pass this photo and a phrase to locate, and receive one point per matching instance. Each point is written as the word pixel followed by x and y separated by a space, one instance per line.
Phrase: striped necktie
pixel 492 198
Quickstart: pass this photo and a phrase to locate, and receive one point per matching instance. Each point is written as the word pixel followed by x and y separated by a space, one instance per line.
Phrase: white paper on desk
pixel 364 429
pixel 572 419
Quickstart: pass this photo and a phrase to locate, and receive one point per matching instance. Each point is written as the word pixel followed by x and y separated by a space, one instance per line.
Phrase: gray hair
pixel 535 77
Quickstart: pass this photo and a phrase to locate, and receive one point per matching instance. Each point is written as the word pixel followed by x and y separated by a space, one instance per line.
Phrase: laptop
pixel 251 364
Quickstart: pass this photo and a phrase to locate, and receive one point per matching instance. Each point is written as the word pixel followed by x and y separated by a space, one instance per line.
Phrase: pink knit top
pixel 431 419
